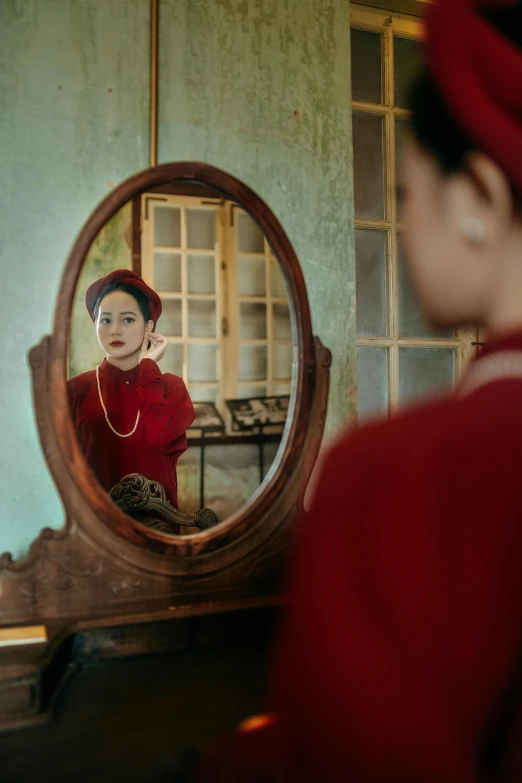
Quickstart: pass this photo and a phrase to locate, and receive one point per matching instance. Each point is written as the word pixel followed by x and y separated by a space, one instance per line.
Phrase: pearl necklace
pixel 106 414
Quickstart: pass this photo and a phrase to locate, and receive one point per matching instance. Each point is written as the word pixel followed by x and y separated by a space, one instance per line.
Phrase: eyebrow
pixel 125 312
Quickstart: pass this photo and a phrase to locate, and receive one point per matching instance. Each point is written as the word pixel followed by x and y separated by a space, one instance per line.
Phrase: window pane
pixel 202 318
pixel 370 279
pixel 251 276
pixel 282 389
pixel 281 321
pixel 407 59
pixel 173 360
pixel 252 321
pixel 202 362
pixel 277 280
pixel 366 66
pixel 201 228
pixel 368 166
pixel 201 274
pixel 423 371
pixel 250 238
pixel 281 362
pixel 167 272
pixel 252 362
pixel 167 226
pixel 170 320
pixel 251 392
pixel 411 320
pixel 401 132
pixel 372 384
pixel 203 393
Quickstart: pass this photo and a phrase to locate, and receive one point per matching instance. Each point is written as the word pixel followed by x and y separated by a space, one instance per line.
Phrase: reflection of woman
pixel 129 417
pixel 401 657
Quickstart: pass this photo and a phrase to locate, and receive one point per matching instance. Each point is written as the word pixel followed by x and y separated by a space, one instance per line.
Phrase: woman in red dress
pixel 401 653
pixel 129 417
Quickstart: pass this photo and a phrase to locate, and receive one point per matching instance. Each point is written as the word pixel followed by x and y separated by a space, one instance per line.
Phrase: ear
pixel 149 326
pixel 490 196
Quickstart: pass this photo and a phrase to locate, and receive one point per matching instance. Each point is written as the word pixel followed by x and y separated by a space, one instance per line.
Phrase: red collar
pixel 119 376
pixel 507 341
pixel 500 360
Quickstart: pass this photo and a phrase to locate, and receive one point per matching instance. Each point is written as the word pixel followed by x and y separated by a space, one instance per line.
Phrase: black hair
pixel 434 126
pixel 141 299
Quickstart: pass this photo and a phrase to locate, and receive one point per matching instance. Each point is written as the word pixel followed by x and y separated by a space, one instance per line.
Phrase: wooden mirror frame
pixel 103 561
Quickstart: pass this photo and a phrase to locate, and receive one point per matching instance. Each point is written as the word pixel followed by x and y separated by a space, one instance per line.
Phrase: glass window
pixel 201 228
pixel 169 323
pixel 407 59
pixel 204 393
pixel 368 166
pixel 402 128
pixel 202 318
pixel 167 272
pixel 202 362
pixel 424 371
pixel 251 278
pixel 372 372
pixel 400 356
pixel 252 320
pixel 201 274
pixel 252 362
pixel 281 321
pixel 250 238
pixel 366 66
pixel 167 226
pixel 370 280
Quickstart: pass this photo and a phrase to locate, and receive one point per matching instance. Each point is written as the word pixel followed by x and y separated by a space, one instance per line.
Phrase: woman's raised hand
pixel 158 346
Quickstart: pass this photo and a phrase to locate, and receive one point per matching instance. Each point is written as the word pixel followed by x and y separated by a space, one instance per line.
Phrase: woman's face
pixel 120 326
pixel 445 267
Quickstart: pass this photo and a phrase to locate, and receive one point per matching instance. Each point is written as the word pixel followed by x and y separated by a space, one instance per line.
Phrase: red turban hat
pixel 479 74
pixel 123 277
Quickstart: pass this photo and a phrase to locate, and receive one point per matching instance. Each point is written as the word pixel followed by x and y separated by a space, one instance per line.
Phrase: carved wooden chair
pixel 146 502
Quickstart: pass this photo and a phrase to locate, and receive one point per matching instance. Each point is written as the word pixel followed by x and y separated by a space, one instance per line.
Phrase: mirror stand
pixel 106 582
pixel 81 578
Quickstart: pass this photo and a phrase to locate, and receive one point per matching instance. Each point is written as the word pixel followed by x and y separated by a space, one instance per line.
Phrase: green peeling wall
pixel 261 89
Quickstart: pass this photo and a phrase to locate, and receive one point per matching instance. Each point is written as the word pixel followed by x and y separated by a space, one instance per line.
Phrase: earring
pixel 474 229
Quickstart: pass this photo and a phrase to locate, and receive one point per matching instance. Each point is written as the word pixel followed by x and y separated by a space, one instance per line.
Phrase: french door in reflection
pixel 260 344
pixel 400 358
pixel 225 305
pixel 181 250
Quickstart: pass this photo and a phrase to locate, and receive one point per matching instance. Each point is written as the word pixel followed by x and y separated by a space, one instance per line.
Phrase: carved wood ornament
pixel 147 502
pixel 103 563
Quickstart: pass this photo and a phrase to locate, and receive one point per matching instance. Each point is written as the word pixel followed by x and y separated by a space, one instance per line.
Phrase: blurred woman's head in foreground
pixel 460 186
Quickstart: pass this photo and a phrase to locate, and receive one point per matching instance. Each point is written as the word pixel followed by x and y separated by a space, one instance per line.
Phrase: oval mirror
pixel 241 373
pixel 197 430
pixel 241 376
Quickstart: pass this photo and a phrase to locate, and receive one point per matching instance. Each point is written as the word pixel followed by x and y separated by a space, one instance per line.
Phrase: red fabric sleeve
pixel 74 395
pixel 165 406
pixel 71 394
pixel 404 626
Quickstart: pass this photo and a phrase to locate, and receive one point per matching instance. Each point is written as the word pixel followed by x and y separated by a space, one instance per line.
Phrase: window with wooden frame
pixel 259 347
pixel 399 356
pixel 181 246
pixel 225 306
